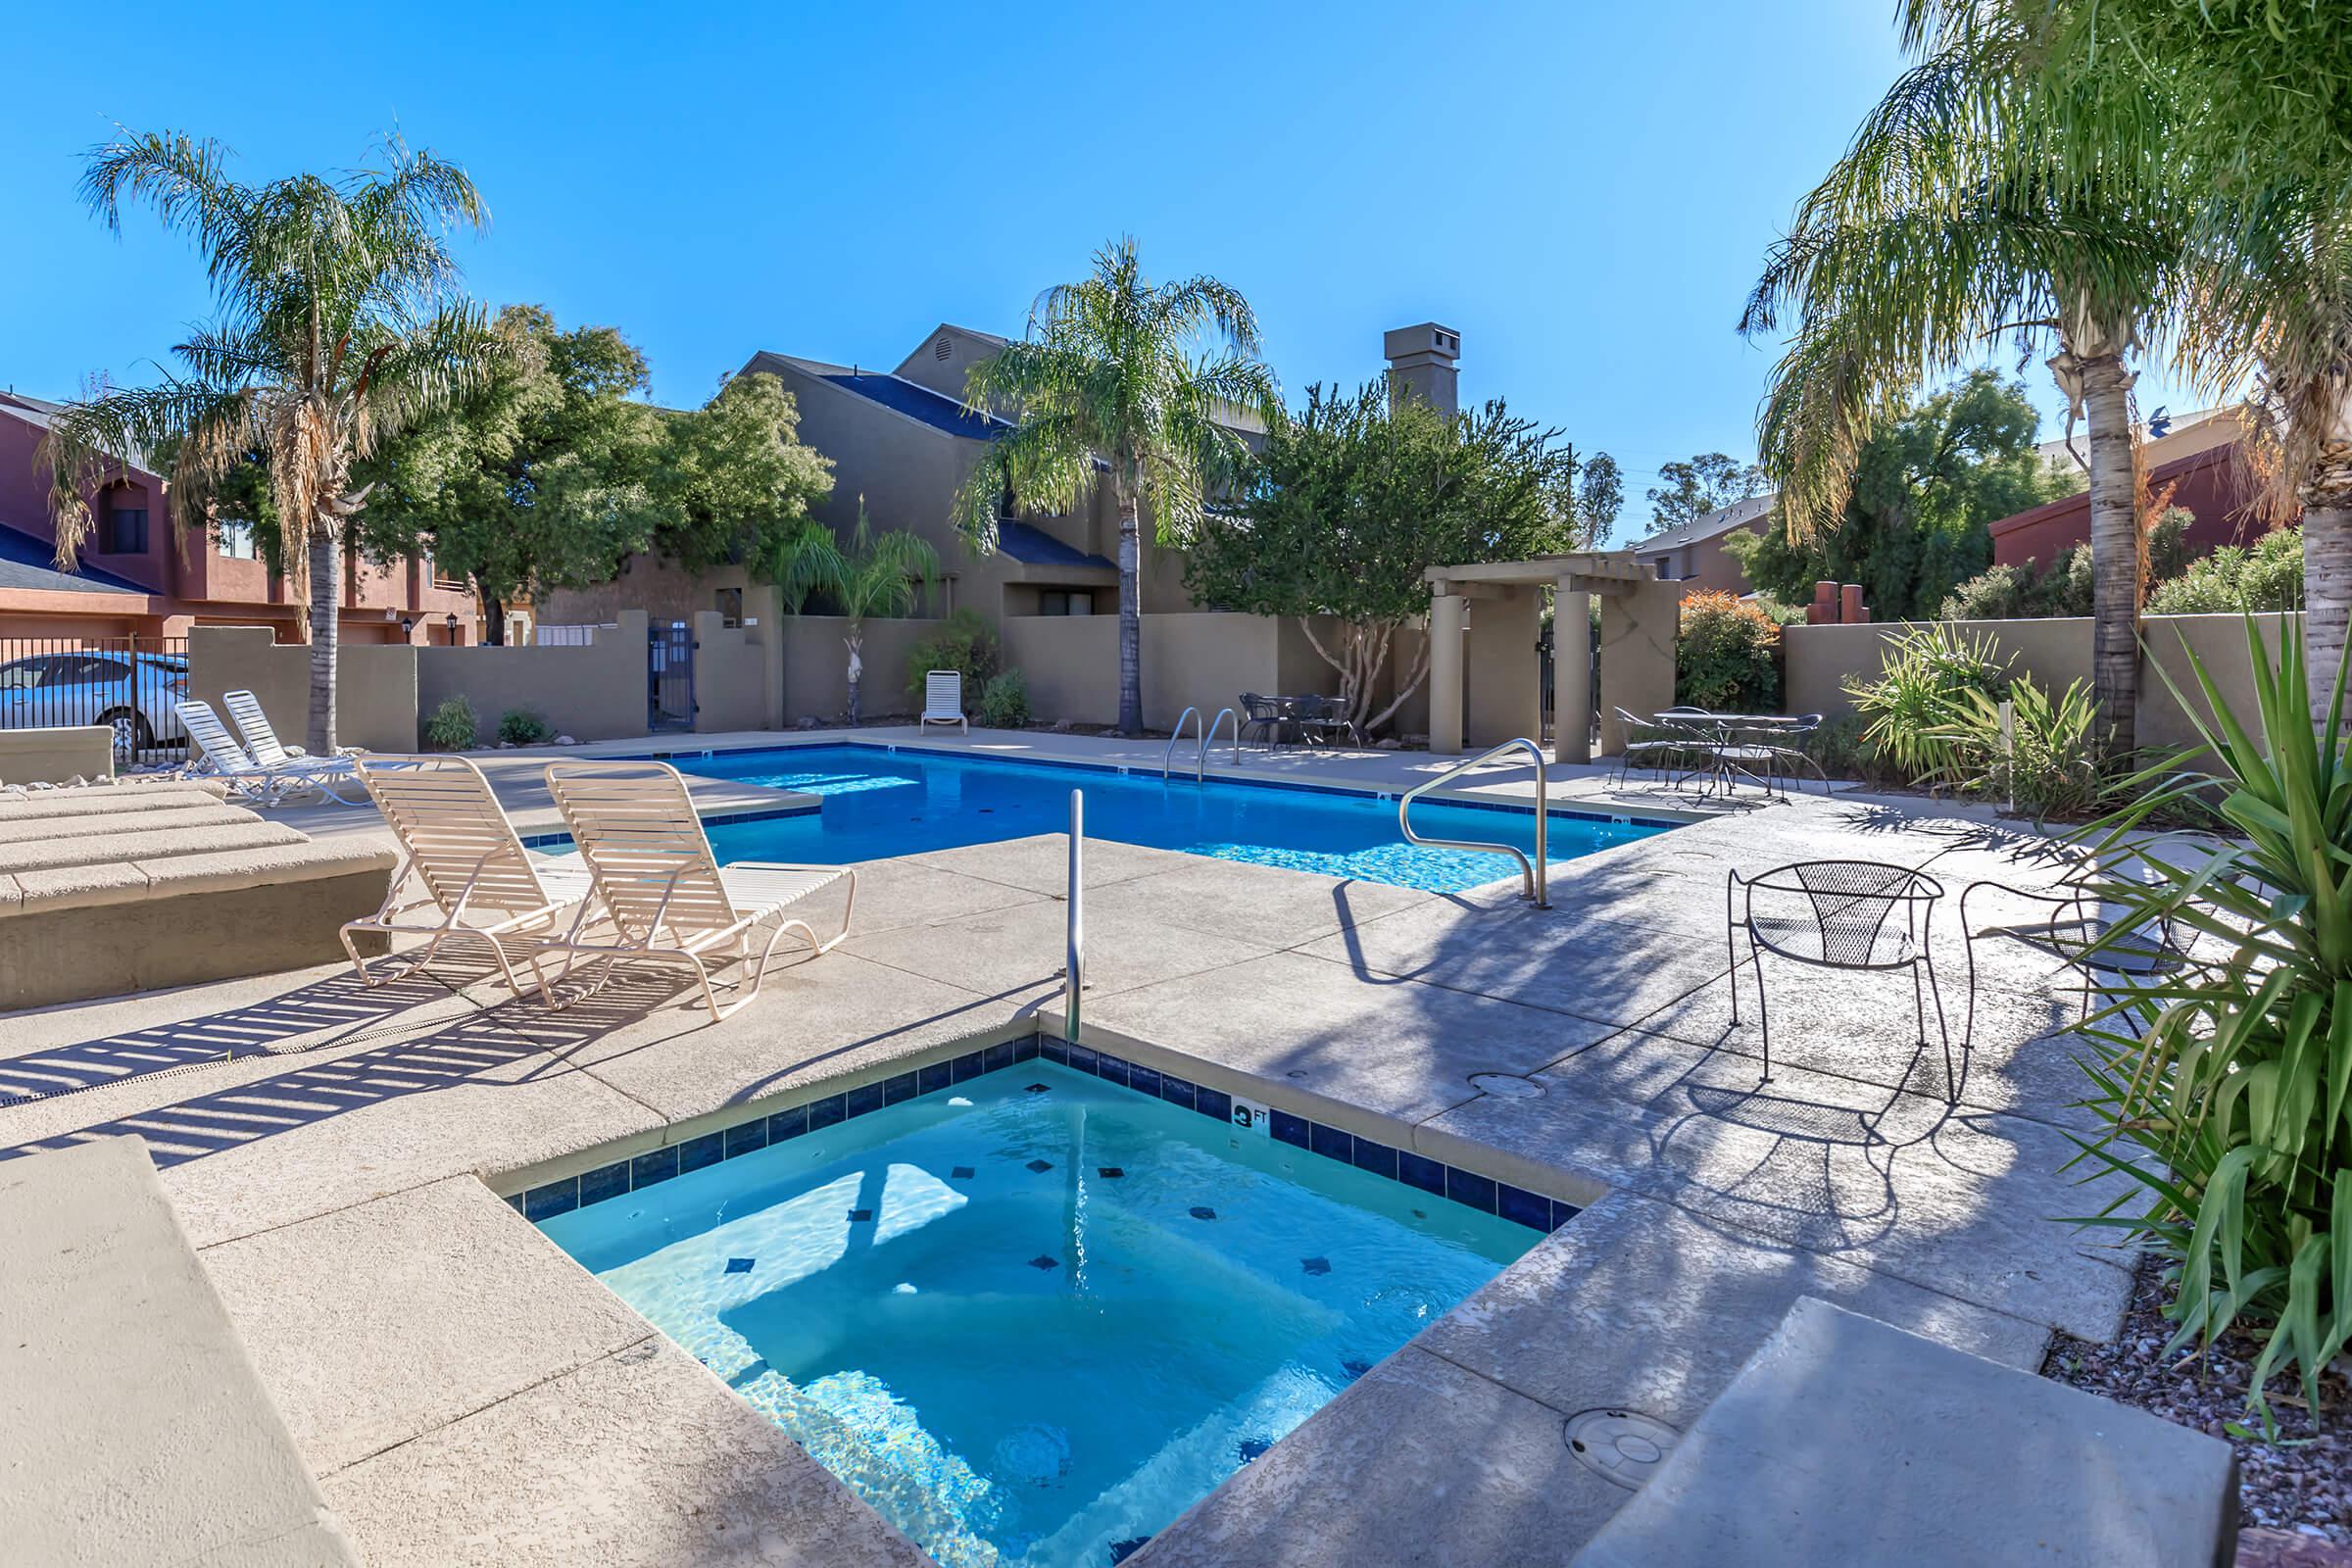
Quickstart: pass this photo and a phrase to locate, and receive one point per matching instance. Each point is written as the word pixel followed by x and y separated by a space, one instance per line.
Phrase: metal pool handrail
pixel 1531 872
pixel 1192 714
pixel 1200 767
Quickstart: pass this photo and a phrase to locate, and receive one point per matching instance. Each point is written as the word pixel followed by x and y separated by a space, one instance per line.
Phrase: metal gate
pixel 132 684
pixel 670 678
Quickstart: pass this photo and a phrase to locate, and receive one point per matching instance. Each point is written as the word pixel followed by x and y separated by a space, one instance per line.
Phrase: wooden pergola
pixel 1504 627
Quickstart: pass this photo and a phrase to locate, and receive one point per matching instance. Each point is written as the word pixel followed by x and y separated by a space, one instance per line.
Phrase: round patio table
pixel 1839 914
pixel 1721 738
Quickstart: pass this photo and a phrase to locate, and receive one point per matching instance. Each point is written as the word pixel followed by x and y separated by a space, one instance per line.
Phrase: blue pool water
pixel 879 803
pixel 1032 1325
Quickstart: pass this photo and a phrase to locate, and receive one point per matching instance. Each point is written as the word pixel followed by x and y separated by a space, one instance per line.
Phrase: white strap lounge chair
pixel 666 897
pixel 220 756
pixel 943 700
pixel 329 775
pixel 479 882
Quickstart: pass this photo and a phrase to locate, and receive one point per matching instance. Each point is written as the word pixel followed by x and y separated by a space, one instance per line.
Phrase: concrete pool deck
pixel 464 1393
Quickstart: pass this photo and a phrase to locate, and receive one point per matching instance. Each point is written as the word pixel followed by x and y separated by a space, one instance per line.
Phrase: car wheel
pixel 133 737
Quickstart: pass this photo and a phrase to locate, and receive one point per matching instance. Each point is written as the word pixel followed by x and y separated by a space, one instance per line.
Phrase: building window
pixel 125 531
pixel 728 602
pixel 1066 601
pixel 236 541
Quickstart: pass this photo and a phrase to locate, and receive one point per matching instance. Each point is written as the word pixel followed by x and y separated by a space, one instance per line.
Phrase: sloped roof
pixel 28 561
pixel 1721 520
pixel 1033 547
pixel 934 408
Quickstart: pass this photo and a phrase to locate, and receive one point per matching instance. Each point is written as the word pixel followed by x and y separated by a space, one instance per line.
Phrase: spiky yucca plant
pixel 2226 1084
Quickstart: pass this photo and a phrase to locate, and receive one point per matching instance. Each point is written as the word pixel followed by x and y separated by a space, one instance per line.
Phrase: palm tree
pixel 1108 375
pixel 874 577
pixel 339 323
pixel 1949 221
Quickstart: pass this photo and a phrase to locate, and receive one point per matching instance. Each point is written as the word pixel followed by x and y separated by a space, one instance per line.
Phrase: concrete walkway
pixel 465 1393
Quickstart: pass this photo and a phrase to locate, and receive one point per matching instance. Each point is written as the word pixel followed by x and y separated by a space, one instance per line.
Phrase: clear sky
pixel 1585 190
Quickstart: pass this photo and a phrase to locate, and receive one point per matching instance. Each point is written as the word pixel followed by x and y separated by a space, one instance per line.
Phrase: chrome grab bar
pixel 1531 872
pixel 1177 734
pixel 1074 975
pixel 1201 762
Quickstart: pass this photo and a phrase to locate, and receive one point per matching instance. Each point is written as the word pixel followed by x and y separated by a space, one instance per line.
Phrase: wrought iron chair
pixel 1320 718
pixel 1839 914
pixel 1666 750
pixel 2087 943
pixel 1268 713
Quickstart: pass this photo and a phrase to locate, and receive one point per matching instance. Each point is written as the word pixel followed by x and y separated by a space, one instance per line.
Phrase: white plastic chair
pixel 943 700
pixel 455 840
pixel 218 755
pixel 329 775
pixel 664 894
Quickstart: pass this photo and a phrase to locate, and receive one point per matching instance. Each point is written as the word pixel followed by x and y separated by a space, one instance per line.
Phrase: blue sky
pixel 1586 191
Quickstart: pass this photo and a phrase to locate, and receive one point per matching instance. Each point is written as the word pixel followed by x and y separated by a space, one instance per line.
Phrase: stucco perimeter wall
pixel 596 692
pixel 57 756
pixel 1202 660
pixel 816 668
pixel 2055 652
pixel 376 684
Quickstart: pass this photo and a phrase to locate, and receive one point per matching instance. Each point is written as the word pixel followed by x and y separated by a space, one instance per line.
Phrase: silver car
pixel 135 693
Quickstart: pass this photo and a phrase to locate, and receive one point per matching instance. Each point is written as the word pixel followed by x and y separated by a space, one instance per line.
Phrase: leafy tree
pixel 1351 500
pixel 1916 523
pixel 1590 496
pixel 2268 576
pixel 1960 214
pixel 732 477
pixel 1108 372
pixel 873 577
pixel 543 477
pixel 340 326
pixel 1708 482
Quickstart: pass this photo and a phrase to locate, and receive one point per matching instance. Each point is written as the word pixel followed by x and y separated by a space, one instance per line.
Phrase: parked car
pixel 135 693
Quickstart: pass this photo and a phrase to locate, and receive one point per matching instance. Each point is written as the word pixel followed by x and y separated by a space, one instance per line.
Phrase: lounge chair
pixel 666 896
pixel 456 840
pixel 220 756
pixel 943 700
pixel 329 775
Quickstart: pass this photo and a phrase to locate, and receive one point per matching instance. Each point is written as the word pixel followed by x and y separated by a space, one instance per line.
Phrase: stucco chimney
pixel 1421 364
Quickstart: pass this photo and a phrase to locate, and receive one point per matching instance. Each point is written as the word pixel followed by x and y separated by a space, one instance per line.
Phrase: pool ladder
pixel 1531 872
pixel 1201 758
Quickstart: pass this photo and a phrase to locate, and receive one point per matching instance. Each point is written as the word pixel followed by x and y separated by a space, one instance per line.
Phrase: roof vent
pixel 943 348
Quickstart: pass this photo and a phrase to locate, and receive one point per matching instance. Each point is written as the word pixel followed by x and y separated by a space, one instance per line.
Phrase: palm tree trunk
pixel 856 641
pixel 2115 563
pixel 327 594
pixel 2327 495
pixel 1131 620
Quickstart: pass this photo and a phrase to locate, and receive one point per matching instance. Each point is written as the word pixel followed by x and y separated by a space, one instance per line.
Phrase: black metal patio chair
pixel 1839 914
pixel 2091 942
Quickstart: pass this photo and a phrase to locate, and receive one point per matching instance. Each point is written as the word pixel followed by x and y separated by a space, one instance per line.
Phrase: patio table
pixel 1733 743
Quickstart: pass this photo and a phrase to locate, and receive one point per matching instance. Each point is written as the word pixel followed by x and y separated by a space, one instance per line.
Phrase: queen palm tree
pixel 339 323
pixel 874 576
pixel 1109 373
pixel 1947 222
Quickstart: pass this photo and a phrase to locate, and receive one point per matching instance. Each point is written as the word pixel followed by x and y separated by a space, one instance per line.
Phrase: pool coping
pixel 1369 1141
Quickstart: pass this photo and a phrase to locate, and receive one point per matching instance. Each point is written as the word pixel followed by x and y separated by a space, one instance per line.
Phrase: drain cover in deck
pixel 1624 1446
pixel 1505 1086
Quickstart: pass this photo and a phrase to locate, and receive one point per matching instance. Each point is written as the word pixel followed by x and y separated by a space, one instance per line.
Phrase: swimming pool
pixel 1033 1316
pixel 880 801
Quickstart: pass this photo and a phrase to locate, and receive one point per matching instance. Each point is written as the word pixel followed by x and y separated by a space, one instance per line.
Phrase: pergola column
pixel 1446 623
pixel 1571 674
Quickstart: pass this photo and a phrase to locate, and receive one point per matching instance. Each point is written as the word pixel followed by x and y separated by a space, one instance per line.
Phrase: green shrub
pixel 2025 592
pixel 453 726
pixel 1727 655
pixel 964 641
pixel 1917 691
pixel 2222 1084
pixel 1845 751
pixel 2269 576
pixel 2043 766
pixel 1005 702
pixel 520 726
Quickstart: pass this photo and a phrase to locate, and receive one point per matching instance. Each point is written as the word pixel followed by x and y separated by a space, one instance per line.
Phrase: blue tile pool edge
pixel 631 1173
pixel 1135 770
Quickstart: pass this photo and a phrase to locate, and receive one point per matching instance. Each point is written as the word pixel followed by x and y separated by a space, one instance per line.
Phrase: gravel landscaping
pixel 2300 1484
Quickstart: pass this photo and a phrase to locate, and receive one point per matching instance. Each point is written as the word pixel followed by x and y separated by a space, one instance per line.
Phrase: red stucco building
pixel 136 580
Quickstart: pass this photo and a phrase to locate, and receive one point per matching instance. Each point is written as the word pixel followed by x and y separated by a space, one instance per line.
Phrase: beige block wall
pixel 1072 665
pixel 53 755
pixel 816 668
pixel 375 685
pixel 732 687
pixel 1503 690
pixel 2055 652
pixel 591 693
pixel 1638 624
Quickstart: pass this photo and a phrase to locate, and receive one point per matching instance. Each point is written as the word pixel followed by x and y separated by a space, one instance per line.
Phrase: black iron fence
pixel 132 684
